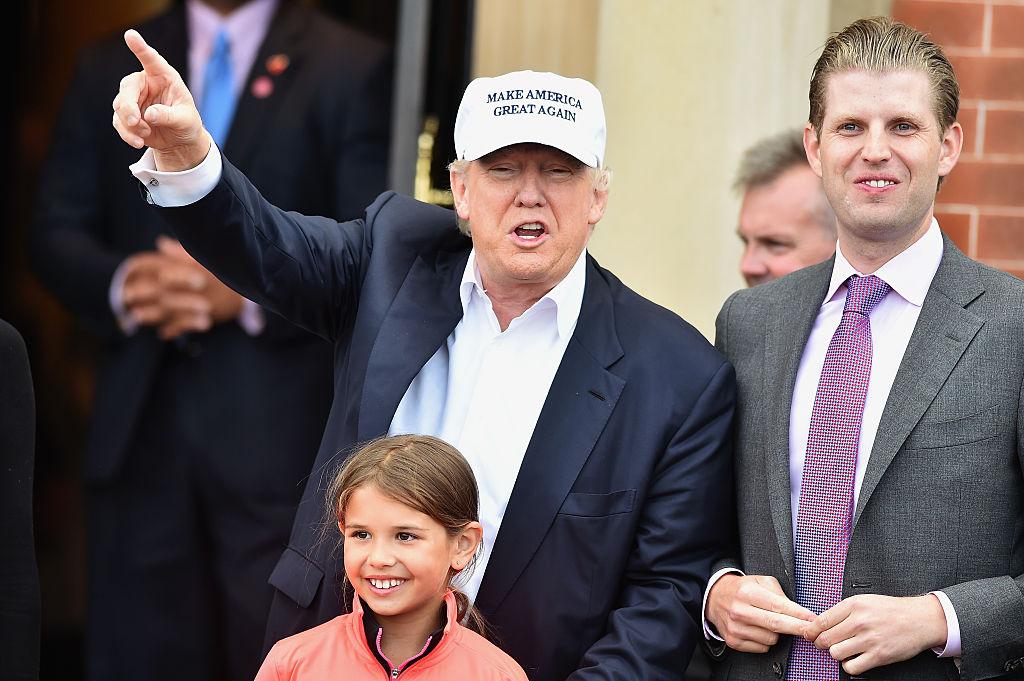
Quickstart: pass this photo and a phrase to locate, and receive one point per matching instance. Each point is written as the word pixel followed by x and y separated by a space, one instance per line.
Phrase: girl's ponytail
pixel 469 616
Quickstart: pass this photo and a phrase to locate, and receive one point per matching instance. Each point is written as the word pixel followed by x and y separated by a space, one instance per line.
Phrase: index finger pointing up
pixel 152 62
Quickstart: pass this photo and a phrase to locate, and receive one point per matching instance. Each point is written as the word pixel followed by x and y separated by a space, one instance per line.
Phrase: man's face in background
pixel 785 225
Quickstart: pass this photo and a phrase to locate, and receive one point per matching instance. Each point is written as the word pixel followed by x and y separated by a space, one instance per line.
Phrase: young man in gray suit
pixel 879 435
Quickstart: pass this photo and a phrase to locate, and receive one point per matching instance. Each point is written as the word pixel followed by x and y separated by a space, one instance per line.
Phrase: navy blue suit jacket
pixel 625 495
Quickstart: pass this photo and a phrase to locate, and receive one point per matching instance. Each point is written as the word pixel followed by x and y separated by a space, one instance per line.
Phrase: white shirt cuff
pixel 115 297
pixel 709 633
pixel 251 318
pixel 173 189
pixel 952 648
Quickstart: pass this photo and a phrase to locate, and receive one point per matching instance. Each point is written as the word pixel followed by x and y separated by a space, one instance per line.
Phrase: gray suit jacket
pixel 942 502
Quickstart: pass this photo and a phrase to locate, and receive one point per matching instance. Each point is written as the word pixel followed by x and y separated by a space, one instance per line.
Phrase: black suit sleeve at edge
pixel 19 582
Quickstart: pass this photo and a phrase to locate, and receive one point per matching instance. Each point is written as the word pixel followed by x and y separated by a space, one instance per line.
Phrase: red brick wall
pixel 981 205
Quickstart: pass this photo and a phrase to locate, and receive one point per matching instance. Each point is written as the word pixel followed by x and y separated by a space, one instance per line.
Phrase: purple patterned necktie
pixel 826 493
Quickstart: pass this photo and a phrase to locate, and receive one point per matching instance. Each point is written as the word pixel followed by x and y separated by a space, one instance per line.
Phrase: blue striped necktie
pixel 218 105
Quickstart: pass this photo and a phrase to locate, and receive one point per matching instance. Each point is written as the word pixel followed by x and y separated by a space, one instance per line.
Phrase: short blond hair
pixel 883 44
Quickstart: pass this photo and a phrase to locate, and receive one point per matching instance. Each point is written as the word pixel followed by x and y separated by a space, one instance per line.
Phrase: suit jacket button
pixel 777 668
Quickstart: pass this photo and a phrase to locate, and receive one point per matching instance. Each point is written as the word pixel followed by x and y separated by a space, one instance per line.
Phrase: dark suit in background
pixel 198 449
pixel 624 497
pixel 19 582
pixel 941 507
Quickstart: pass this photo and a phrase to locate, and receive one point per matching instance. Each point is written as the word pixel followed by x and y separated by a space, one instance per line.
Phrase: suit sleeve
pixel 306 269
pixel 722 329
pixel 991 611
pixel 684 526
pixel 19 585
pixel 66 247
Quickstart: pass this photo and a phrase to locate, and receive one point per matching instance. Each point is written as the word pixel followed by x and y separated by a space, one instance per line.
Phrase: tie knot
pixel 863 293
pixel 221 44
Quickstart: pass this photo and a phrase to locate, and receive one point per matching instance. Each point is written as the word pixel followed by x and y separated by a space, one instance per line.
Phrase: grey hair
pixel 769 158
pixel 600 180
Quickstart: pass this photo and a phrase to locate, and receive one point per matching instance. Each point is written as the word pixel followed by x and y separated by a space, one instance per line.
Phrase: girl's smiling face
pixel 399 560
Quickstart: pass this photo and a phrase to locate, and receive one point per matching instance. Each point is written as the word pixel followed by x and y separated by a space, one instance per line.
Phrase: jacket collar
pixel 370 633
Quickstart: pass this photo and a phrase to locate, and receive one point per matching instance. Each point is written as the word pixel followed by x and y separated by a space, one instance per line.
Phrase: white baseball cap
pixel 529 106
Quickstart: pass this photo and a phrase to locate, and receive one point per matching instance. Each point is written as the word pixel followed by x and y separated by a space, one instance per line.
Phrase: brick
pixel 950 24
pixel 1000 238
pixel 1008 26
pixel 1004 132
pixel 987 184
pixel 957 227
pixel 968 117
pixel 990 77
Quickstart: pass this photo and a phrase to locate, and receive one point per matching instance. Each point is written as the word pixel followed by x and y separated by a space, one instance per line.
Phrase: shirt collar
pixel 252 18
pixel 909 274
pixel 566 296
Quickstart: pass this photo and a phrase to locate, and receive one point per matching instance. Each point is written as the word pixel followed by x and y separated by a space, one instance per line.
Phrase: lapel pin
pixel 277 64
pixel 262 87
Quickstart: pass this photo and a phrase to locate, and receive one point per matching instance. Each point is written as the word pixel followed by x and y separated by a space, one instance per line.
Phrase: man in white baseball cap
pixel 597 423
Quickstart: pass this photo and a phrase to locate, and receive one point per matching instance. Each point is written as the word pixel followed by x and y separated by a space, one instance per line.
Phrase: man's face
pixel 531 210
pixel 880 153
pixel 781 226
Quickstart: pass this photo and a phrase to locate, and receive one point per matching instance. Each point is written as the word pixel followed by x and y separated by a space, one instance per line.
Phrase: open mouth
pixel 531 231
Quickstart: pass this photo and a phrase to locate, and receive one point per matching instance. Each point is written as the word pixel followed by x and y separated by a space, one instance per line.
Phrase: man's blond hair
pixel 883 44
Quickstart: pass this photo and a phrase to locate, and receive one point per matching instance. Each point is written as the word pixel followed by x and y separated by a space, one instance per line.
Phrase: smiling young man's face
pixel 880 152
pixel 531 209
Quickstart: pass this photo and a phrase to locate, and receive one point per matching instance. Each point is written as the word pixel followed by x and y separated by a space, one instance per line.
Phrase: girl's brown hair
pixel 426 474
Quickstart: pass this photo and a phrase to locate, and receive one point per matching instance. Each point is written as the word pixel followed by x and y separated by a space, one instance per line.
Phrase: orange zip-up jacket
pixel 339 649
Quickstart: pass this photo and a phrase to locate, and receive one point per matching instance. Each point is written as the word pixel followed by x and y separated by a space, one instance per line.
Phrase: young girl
pixel 407 507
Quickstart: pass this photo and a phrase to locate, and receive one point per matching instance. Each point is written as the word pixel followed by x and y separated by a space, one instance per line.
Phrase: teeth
pixel 385 583
pixel 531 227
pixel 879 183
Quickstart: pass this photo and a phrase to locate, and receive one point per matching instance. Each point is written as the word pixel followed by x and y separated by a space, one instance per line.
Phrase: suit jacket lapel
pixel 423 314
pixel 790 321
pixel 253 112
pixel 569 425
pixel 943 331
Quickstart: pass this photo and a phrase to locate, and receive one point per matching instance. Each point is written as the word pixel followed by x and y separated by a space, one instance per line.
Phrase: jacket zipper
pixel 395 671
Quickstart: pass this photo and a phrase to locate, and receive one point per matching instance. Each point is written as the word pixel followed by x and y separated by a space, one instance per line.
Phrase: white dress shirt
pixel 482 391
pixel 909 275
